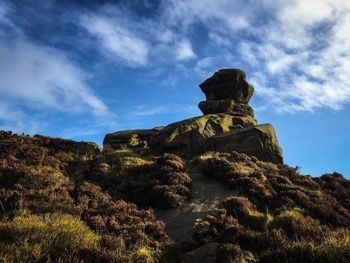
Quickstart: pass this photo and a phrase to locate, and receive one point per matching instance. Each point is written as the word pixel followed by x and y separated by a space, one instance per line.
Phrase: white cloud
pixel 324 73
pixel 117 39
pixel 306 13
pixel 187 12
pixel 297 51
pixel 37 80
pixel 300 47
pixel 184 50
pixel 44 78
pixel 219 40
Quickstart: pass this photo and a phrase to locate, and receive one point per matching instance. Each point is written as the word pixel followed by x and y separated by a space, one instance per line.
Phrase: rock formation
pixel 227 91
pixel 228 125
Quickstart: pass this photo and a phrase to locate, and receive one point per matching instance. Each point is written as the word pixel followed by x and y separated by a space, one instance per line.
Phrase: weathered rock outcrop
pixel 259 141
pixel 228 125
pixel 130 138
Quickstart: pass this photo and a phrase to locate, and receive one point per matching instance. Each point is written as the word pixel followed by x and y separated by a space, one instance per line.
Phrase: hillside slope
pixel 64 201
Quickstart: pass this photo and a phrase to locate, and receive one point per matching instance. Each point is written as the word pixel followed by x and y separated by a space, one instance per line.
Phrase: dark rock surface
pixel 188 136
pixel 259 141
pixel 130 138
pixel 228 125
pixel 226 106
pixel 228 84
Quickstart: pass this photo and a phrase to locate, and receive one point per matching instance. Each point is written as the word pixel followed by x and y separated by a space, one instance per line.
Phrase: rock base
pixel 212 132
pixel 226 106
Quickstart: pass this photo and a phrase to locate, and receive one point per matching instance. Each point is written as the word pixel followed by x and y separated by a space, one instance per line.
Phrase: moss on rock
pixel 259 141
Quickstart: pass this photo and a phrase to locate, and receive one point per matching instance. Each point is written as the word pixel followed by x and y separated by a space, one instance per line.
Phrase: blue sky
pixel 81 69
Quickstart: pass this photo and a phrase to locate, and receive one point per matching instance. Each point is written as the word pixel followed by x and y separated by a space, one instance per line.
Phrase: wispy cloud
pixel 184 50
pixel 136 41
pixel 297 51
pixel 117 39
pixel 45 78
pixel 304 57
pixel 39 78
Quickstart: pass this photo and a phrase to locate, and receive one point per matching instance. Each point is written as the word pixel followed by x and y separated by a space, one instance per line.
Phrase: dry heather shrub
pixel 336 185
pixel 246 213
pixel 163 184
pixel 33 172
pixel 305 213
pixel 229 253
pixel 280 187
pixel 157 182
pixel 237 206
pixel 215 227
pixel 171 162
pixel 335 247
pixel 298 226
pixel 51 237
pixel 124 229
pixel 39 189
pixel 60 177
pixel 214 165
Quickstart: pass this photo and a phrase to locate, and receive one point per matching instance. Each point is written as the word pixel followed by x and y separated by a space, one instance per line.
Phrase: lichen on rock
pixel 228 125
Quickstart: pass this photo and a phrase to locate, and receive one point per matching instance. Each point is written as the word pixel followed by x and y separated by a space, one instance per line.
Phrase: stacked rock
pixel 228 125
pixel 227 91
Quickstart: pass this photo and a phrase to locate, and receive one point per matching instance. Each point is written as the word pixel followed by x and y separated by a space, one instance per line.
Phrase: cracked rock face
pixel 228 125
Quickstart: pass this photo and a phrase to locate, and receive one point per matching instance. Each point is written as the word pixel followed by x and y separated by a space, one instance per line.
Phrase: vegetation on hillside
pixel 51 190
pixel 65 201
pixel 278 214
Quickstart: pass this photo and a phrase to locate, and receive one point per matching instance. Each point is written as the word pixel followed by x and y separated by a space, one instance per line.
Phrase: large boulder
pixel 228 84
pixel 259 141
pixel 137 139
pixel 179 136
pixel 187 136
pixel 212 132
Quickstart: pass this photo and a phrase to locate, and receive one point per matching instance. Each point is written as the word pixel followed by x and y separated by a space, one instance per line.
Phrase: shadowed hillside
pixel 65 201
pixel 208 189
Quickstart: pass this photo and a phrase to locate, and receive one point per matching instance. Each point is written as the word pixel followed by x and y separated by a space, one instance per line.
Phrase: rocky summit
pixel 228 124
